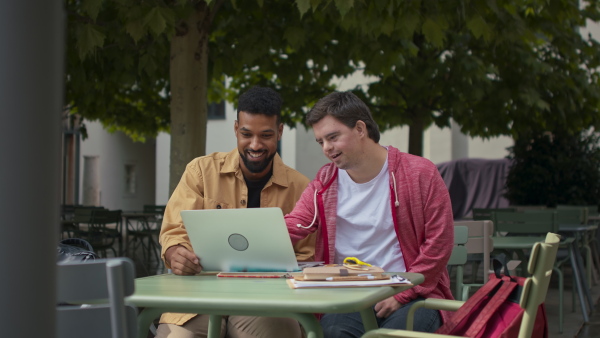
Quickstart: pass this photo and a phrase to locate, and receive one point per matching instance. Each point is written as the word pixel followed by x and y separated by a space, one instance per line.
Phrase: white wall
pixel 114 151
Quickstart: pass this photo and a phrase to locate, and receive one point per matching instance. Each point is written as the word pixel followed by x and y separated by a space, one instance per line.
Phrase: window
pixel 216 111
pixel 130 179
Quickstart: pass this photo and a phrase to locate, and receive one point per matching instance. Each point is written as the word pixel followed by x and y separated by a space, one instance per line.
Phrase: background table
pixel 518 243
pixel 271 297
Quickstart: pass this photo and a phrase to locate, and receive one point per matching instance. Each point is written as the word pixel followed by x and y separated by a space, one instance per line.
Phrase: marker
pixel 350 278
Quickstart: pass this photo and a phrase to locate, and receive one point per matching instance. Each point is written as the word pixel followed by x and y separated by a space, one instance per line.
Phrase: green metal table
pixel 270 297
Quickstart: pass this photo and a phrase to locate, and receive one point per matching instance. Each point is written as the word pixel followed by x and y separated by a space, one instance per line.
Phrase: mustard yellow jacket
pixel 215 181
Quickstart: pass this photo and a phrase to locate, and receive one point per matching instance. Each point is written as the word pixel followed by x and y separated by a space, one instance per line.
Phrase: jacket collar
pixel 329 171
pixel 231 164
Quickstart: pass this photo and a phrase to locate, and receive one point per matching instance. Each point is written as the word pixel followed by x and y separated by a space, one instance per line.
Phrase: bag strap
pixel 492 307
pixel 470 304
pixel 497 265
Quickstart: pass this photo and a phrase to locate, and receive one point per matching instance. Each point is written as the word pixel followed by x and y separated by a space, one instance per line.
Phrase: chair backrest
pixel 458 258
pixel 480 241
pixel 105 216
pixel 104 283
pixel 575 216
pixel 529 207
pixel 482 214
pixel 459 251
pixel 157 209
pixel 531 222
pixel 541 263
pixel 567 213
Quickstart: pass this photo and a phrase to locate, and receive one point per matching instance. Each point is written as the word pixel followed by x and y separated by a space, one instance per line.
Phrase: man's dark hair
pixel 260 100
pixel 346 108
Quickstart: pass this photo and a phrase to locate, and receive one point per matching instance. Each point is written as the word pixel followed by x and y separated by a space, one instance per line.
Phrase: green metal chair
pixel 104 231
pixel 485 214
pixel 540 267
pixel 479 247
pixel 458 258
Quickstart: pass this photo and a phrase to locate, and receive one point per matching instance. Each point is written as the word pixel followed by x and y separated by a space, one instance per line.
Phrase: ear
pixel 236 126
pixel 361 128
pixel 279 131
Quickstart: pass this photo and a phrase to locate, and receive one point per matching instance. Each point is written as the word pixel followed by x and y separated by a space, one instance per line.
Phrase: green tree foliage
pixel 495 67
pixel 555 168
pixel 146 66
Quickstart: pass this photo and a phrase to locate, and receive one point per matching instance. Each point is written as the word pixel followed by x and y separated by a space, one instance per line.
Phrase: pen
pixel 350 278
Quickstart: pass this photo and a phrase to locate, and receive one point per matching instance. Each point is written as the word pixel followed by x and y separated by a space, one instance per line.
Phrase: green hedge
pixel 554 168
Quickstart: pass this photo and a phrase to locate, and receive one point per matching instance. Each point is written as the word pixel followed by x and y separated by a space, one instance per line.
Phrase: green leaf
pixel 387 27
pixel 88 39
pixel 91 8
pixel 135 29
pixel 156 19
pixel 303 6
pixel 433 33
pixel 344 6
pixel 295 36
pixel 529 11
pixel 479 28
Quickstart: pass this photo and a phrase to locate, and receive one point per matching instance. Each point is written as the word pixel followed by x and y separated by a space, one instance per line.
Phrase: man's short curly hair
pixel 260 100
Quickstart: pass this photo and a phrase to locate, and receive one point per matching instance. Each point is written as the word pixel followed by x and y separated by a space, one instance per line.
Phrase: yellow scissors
pixel 355 263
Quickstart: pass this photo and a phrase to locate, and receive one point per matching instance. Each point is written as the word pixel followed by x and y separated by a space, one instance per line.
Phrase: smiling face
pixel 339 143
pixel 257 136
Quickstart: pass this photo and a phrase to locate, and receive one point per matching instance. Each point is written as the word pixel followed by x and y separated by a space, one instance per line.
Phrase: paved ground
pixel 574 325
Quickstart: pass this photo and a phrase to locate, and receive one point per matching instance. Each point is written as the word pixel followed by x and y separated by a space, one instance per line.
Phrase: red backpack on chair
pixel 494 311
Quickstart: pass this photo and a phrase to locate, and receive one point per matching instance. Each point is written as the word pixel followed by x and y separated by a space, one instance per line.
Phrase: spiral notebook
pixel 241 240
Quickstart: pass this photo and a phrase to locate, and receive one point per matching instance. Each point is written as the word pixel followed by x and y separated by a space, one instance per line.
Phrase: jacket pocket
pixel 212 204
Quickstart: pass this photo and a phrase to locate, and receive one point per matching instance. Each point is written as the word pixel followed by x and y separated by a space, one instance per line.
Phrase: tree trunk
pixel 189 81
pixel 415 137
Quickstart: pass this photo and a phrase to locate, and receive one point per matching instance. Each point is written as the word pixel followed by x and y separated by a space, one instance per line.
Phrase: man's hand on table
pixel 182 261
pixel 386 307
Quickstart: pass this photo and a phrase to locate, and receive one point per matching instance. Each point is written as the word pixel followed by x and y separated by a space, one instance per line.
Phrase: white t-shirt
pixel 364 224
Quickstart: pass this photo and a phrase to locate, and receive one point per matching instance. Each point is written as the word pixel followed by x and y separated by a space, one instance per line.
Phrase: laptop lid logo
pixel 238 242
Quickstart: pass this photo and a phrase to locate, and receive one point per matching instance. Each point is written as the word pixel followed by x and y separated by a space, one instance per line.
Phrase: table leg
pixel 580 281
pixel 214 326
pixel 309 322
pixel 584 281
pixel 368 318
pixel 144 320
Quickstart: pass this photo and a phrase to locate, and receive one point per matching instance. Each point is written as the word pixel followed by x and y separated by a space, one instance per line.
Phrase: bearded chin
pixel 257 167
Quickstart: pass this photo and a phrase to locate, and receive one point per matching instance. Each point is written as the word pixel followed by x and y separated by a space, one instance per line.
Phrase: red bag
pixel 494 311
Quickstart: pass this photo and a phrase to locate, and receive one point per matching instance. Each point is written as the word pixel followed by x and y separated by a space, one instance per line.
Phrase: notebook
pixel 238 240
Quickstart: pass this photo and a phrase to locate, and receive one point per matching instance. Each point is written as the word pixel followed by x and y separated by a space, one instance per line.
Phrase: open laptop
pixel 240 240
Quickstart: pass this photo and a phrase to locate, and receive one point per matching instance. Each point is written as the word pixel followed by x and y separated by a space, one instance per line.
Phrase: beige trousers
pixel 234 327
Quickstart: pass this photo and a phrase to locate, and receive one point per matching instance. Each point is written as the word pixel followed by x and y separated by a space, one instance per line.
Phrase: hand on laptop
pixel 182 261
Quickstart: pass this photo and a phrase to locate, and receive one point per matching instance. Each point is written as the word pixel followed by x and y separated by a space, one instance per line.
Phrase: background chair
pixel 143 230
pixel 479 248
pixel 540 267
pixel 103 282
pixel 104 231
pixel 458 258
pixel 485 214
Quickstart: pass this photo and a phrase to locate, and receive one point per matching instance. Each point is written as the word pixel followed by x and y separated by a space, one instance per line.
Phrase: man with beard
pixel 251 176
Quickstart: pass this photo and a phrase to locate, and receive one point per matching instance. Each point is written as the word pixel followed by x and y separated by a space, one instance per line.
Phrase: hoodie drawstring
pixel 315 218
pixel 397 204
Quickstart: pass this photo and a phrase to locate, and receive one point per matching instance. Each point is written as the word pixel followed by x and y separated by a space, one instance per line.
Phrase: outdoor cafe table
pixel 271 297
pixel 519 243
